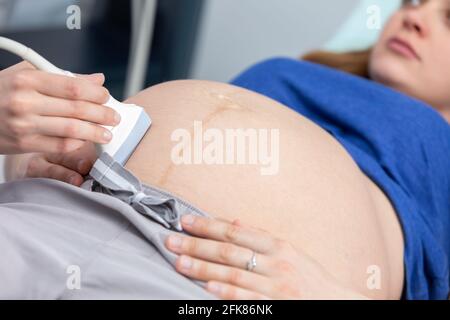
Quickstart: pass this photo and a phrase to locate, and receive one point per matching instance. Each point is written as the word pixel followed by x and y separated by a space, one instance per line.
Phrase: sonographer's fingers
pixel 35 103
pixel 24 65
pixel 80 160
pixel 71 128
pixel 72 88
pixel 39 167
pixel 47 144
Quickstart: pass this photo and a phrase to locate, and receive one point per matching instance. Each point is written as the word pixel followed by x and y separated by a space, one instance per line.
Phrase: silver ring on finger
pixel 251 264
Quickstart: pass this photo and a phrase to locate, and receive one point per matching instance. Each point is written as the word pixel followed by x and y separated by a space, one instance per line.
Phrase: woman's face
pixel 413 53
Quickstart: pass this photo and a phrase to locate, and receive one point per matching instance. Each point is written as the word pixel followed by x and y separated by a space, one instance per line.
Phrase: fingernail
pixel 117 118
pixel 186 263
pixel 95 75
pixel 187 219
pixel 213 287
pixel 107 135
pixel 175 241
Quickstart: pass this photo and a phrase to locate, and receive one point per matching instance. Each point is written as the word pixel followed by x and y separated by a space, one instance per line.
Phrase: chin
pixel 396 76
pixel 389 71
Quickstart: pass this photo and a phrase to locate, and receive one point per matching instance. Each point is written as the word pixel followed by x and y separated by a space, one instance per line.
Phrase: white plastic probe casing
pixel 128 133
pixel 126 136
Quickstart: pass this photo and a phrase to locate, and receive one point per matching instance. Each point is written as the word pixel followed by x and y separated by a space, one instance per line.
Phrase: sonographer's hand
pixel 68 167
pixel 43 112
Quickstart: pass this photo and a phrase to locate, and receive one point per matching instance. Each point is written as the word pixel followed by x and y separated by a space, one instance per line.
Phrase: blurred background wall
pixel 237 33
pixel 202 39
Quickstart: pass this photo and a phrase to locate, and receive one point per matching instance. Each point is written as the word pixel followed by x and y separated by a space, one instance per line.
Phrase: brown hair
pixel 355 62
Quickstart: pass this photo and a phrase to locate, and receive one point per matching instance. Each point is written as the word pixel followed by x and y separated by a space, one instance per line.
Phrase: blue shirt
pixel 400 143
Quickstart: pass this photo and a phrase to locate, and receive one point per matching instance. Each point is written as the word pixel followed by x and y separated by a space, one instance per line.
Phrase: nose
pixel 414 20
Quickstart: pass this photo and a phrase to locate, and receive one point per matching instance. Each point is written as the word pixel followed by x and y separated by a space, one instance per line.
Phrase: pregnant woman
pixel 360 198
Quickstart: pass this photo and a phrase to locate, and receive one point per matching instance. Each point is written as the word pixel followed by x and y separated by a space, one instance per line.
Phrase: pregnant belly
pixel 301 184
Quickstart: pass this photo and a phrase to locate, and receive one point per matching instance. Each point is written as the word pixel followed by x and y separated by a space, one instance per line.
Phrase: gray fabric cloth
pixel 112 235
pixel 111 178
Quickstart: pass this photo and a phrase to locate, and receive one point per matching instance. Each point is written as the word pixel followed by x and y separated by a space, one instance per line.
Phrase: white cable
pixel 139 53
pixel 30 55
pixel 136 10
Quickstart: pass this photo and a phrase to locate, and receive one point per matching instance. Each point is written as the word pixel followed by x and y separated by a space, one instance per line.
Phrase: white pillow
pixel 358 32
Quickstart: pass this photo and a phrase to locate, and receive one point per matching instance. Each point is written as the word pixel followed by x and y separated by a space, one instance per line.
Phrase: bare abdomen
pixel 318 199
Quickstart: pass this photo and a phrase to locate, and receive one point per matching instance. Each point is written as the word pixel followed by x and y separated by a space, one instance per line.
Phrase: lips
pixel 403 48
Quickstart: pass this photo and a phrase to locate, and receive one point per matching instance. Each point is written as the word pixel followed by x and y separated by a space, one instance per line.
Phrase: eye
pixel 413 3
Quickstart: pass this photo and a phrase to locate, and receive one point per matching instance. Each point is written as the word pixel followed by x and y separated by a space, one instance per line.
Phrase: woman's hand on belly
pixel 221 253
